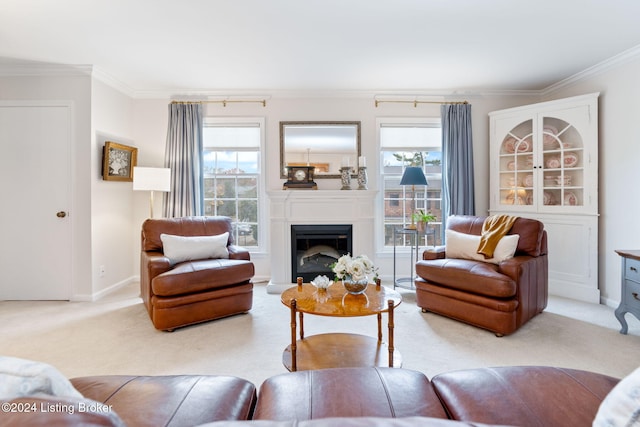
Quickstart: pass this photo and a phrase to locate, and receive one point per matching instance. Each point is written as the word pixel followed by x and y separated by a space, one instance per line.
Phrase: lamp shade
pixel 412 175
pixel 151 179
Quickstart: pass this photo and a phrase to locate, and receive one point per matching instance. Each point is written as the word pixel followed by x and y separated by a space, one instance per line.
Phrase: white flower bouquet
pixel 354 269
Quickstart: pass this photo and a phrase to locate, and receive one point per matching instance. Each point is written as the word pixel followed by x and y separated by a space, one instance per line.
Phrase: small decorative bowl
pixel 322 282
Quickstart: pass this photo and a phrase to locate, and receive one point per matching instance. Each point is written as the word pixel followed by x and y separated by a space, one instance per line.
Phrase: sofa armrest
pixel 436 252
pixel 155 263
pixel 152 263
pixel 238 252
pixel 531 274
pixel 516 266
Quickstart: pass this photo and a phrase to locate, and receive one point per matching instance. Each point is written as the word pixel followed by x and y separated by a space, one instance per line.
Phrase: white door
pixel 35 182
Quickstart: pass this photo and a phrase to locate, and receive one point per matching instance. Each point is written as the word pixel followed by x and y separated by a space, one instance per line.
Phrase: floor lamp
pixel 413 176
pixel 151 179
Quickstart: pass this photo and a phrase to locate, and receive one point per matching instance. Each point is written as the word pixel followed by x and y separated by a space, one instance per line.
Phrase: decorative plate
pixel 528 181
pixel 570 199
pixel 509 145
pixel 570 160
pixel 553 163
pixel 548 198
pixel 549 139
pixel 550 142
pixel 524 146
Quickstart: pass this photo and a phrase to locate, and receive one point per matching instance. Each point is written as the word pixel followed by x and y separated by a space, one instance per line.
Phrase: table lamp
pixel 151 179
pixel 413 175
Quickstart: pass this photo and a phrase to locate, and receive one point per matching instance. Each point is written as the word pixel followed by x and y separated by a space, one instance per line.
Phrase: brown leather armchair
pixel 498 297
pixel 193 291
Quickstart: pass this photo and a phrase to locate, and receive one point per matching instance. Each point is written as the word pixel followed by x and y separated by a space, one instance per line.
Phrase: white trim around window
pixel 262 219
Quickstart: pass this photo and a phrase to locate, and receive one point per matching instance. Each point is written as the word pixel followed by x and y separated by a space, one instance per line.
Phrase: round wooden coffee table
pixel 339 349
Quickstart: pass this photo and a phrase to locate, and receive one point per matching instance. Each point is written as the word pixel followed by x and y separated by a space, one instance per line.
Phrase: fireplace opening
pixel 314 248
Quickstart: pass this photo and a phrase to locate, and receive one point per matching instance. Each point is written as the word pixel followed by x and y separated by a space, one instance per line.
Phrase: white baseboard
pixel 106 291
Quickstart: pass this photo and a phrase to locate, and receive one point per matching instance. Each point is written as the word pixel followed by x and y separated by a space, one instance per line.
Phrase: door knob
pixel 61 214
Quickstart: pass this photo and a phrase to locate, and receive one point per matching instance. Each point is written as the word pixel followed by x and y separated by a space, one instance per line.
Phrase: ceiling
pixel 260 46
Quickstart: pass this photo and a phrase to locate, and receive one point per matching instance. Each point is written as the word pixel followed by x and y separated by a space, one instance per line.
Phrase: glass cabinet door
pixel 562 164
pixel 516 166
pixel 541 167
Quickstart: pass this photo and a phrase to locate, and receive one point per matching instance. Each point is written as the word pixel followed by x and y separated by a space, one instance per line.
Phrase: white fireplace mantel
pixel 288 207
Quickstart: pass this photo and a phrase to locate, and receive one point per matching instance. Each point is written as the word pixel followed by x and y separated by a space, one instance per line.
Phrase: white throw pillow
pixel 189 248
pixel 21 377
pixel 465 246
pixel 621 407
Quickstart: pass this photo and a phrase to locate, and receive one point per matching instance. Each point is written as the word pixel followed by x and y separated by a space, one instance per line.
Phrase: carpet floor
pixel 115 336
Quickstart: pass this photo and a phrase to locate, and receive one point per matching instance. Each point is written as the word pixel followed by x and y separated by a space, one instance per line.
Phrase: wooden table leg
pixel 299 282
pixel 391 326
pixel 293 335
pixel 378 282
pixel 301 325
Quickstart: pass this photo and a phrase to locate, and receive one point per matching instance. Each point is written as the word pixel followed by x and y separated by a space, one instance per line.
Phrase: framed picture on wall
pixel 118 162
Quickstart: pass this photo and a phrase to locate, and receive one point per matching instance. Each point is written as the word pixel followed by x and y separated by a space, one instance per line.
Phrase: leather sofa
pixel 518 395
pixel 196 290
pixel 498 297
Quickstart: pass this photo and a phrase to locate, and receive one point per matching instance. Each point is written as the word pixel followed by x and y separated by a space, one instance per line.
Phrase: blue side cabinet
pixel 630 299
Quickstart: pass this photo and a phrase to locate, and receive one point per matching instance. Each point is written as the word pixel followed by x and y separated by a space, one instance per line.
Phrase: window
pixel 232 175
pixel 410 142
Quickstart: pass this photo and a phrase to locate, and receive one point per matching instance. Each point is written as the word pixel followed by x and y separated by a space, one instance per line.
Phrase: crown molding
pixel 322 94
pixel 46 69
pixel 599 68
pixel 21 68
pixel 112 82
pixel 17 68
pixel 38 69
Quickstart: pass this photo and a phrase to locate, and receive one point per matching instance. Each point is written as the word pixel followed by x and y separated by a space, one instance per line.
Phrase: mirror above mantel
pixel 327 145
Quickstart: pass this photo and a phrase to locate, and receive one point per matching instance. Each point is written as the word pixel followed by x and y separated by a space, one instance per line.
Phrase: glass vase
pixel 355 287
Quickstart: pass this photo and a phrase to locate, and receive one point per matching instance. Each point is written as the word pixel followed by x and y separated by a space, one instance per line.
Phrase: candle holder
pixel 362 178
pixel 345 177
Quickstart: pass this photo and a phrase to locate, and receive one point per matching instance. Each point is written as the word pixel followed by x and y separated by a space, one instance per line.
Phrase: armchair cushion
pixel 465 246
pixel 188 248
pixel 197 276
pixel 468 276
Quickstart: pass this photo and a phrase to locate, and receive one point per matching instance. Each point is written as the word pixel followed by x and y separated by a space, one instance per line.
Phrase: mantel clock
pixel 300 177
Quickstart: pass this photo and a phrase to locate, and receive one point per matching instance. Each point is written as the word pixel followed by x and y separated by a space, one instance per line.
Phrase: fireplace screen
pixel 314 248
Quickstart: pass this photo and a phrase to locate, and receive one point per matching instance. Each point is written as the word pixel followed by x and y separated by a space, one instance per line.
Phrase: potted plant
pixel 422 218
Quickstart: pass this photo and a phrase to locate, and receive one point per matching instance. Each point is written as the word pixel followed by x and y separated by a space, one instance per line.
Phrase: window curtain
pixel 457 161
pixel 183 155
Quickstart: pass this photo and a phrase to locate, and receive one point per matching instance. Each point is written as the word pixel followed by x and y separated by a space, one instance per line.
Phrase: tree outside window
pixel 410 144
pixel 232 178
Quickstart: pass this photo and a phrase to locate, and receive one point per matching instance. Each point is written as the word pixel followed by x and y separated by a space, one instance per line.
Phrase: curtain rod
pixel 415 103
pixel 224 102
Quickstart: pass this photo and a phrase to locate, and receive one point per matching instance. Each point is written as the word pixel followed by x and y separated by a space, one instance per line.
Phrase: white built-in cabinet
pixel 544 165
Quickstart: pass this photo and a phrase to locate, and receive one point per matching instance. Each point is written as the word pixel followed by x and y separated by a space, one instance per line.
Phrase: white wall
pixel 111 201
pixel 619 151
